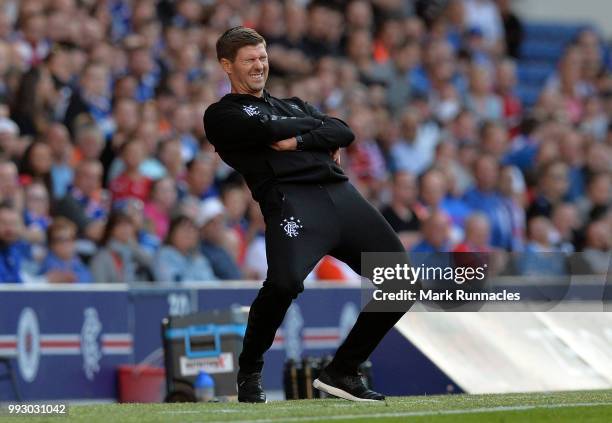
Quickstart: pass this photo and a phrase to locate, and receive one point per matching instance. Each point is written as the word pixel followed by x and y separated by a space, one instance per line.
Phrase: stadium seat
pixel 534 73
pixel 528 94
pixel 542 47
pixel 542 50
pixel 552 31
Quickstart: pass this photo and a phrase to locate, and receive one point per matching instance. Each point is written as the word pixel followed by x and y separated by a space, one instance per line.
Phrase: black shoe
pixel 349 387
pixel 249 388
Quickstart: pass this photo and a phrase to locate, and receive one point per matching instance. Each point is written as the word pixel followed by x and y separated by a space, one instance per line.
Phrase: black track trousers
pixel 303 224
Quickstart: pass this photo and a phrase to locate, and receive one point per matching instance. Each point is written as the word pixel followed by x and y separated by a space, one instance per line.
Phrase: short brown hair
pixel 234 39
pixel 60 224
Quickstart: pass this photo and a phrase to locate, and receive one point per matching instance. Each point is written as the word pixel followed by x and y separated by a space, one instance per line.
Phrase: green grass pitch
pixel 584 406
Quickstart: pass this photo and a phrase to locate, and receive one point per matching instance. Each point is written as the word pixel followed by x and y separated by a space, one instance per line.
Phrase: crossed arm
pixel 232 129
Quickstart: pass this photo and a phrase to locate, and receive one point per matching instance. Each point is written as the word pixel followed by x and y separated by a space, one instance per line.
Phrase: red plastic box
pixel 142 383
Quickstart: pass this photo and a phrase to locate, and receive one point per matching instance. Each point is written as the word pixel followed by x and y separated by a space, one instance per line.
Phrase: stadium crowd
pixel 106 174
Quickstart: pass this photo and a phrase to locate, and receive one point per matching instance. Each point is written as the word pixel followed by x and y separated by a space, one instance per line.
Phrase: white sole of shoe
pixel 337 392
pixel 248 402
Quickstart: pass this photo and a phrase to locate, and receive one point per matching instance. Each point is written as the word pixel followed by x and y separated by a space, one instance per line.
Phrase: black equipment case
pixel 209 341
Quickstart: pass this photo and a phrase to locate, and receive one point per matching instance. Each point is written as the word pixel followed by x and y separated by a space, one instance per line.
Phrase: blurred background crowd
pixel 106 174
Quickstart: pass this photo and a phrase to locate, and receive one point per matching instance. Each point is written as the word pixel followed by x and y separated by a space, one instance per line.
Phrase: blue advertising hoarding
pixel 67 341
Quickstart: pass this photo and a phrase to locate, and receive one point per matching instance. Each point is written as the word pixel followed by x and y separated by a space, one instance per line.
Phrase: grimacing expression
pixel 249 70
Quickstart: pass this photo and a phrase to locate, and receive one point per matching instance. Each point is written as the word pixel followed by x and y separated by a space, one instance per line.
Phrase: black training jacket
pixel 242 127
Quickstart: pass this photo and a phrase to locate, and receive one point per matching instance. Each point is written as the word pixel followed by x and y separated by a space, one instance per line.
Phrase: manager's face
pixel 249 70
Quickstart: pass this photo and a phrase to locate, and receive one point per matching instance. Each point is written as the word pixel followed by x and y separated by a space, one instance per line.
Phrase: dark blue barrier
pixel 149 307
pixel 314 324
pixel 67 341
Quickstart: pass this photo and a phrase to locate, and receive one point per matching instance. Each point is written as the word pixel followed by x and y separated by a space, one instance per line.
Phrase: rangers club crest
pixel 90 347
pixel 28 344
pixel 250 110
pixel 291 226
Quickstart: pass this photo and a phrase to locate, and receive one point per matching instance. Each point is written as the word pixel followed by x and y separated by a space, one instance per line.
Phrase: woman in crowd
pixel 120 259
pixel 36 165
pixel 162 200
pixel 180 260
pixel 34 102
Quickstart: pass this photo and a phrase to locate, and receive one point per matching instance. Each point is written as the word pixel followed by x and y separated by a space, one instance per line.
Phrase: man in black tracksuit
pixel 287 152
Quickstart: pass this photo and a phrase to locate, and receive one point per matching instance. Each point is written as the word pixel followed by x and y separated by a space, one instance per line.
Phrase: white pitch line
pixel 411 413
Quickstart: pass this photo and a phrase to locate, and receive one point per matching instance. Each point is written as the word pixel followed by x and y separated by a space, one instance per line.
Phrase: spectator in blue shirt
pixel 182 123
pixel 541 257
pixel 13 251
pixel 571 146
pixel 92 98
pixel 200 179
pixel 62 171
pixel 436 196
pixel 436 234
pixel 525 146
pixel 414 151
pixel 439 66
pixel 144 68
pixel 485 198
pixel 61 236
pixel 436 239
